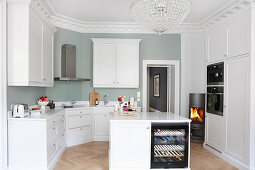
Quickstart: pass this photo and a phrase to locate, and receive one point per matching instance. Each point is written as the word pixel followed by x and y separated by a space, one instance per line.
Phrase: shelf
pixel 168 154
pixel 168 148
pixel 165 132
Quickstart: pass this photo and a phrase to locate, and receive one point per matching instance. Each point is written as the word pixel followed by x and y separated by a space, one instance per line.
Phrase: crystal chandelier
pixel 160 15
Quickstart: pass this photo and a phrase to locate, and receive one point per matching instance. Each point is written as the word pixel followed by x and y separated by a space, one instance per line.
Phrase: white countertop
pixel 48 114
pixel 151 117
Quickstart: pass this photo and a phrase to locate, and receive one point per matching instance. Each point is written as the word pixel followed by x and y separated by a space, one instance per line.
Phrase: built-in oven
pixel 215 74
pixel 215 100
pixel 169 145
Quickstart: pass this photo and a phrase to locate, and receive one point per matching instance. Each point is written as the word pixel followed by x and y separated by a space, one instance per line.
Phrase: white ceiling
pixel 118 10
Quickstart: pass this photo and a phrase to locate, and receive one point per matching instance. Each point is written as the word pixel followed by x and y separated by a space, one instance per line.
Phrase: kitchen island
pixel 149 140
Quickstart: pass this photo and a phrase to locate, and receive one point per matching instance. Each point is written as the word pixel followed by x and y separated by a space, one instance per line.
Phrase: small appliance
pixel 19 111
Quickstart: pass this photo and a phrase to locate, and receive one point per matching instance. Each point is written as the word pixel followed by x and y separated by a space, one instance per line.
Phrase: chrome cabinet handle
pixel 148 127
pixel 53 122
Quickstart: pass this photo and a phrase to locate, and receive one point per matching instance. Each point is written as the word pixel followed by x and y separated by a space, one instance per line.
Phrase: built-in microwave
pixel 215 74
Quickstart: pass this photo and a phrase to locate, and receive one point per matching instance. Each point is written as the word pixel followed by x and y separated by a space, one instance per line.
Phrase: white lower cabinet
pixel 79 126
pixel 36 143
pixel 214 128
pixel 137 137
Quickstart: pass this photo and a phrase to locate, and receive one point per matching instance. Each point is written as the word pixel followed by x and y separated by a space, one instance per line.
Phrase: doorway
pixel 161 86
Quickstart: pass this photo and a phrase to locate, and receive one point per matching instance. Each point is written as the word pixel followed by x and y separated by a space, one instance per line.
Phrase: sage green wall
pixel 152 47
pixel 27 95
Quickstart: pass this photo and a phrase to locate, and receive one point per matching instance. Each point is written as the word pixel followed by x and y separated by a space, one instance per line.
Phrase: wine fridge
pixel 169 145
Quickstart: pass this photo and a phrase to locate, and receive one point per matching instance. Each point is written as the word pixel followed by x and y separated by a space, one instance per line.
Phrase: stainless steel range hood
pixel 68 64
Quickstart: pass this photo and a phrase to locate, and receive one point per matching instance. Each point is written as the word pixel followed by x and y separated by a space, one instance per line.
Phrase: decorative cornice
pixel 228 10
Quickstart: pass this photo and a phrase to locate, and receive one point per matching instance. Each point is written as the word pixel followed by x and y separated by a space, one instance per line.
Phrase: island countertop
pixel 150 117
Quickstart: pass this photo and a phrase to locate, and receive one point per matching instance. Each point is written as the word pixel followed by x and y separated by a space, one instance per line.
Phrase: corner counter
pixel 149 140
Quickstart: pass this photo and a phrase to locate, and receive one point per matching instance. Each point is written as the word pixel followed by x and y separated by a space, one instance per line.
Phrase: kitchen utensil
pixel 93 96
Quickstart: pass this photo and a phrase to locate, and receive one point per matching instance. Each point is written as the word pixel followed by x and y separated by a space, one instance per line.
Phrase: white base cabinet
pixel 130 138
pixel 36 143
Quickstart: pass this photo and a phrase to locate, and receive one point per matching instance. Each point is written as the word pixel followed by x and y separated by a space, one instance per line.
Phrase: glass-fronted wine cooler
pixel 169 145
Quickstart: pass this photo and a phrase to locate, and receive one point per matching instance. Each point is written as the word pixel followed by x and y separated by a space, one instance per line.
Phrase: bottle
pixel 96 102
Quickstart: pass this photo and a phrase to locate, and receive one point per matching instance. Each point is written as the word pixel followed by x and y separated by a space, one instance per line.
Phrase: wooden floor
pixel 94 156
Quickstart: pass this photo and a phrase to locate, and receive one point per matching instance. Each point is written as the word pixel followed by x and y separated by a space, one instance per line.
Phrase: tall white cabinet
pixel 116 63
pixel 30 46
pixel 230 136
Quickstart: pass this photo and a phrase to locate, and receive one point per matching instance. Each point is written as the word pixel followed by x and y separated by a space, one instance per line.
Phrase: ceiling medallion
pixel 160 15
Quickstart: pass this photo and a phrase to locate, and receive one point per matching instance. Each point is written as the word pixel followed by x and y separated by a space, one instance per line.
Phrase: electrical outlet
pixel 138 94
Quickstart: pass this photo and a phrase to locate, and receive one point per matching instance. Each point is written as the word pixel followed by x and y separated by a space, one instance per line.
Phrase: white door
pixel 104 65
pixel 101 125
pixel 136 136
pixel 128 65
pixel 217 45
pixel 35 47
pixel 214 131
pixel 47 56
pixel 238 37
pixel 237 96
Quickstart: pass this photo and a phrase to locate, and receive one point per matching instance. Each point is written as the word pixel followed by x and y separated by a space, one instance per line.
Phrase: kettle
pixel 18 111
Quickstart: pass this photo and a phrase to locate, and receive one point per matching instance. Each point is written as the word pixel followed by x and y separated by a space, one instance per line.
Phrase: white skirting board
pixel 227 158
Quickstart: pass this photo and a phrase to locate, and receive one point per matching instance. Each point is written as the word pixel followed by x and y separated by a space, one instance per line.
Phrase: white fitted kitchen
pixel 127 85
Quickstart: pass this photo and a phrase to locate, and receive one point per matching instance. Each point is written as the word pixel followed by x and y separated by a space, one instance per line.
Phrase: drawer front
pixel 80 121
pixel 78 134
pixel 52 132
pixel 51 149
pixel 61 140
pixel 79 112
pixel 51 122
pixel 103 110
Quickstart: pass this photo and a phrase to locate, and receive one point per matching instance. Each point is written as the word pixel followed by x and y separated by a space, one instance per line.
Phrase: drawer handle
pixel 80 112
pixel 54 145
pixel 80 128
pixel 54 128
pixel 80 116
pixel 63 121
pixel 63 134
pixel 53 122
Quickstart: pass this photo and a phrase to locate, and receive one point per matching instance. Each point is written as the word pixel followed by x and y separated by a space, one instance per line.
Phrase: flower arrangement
pixel 121 99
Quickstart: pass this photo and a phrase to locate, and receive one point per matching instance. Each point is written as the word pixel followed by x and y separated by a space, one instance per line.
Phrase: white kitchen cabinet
pixel 137 137
pixel 79 126
pixel 237 97
pixel 36 143
pixel 217 45
pixel 214 130
pixel 30 46
pixel 238 37
pixel 116 63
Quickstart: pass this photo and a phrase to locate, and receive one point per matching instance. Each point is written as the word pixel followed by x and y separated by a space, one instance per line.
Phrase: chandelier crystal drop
pixel 160 15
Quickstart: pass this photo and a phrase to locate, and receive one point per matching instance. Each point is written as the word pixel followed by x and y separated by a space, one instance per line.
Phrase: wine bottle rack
pixel 167 132
pixel 168 148
pixel 168 154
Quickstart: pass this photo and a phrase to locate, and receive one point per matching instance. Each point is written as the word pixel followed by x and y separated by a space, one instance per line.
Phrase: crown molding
pixel 226 11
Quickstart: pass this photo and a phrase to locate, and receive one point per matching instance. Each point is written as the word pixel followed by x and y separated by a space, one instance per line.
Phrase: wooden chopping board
pixel 92 97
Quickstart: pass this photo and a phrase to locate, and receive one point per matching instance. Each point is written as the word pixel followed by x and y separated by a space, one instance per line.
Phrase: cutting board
pixel 92 97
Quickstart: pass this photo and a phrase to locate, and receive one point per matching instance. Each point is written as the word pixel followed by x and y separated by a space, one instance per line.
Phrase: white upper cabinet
pixel 30 46
pixel 217 45
pixel 238 37
pixel 116 63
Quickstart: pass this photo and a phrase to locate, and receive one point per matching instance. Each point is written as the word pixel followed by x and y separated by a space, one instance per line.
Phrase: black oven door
pixel 215 74
pixel 215 100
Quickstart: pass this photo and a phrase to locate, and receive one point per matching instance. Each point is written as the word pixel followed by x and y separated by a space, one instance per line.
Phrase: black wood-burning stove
pixel 197 115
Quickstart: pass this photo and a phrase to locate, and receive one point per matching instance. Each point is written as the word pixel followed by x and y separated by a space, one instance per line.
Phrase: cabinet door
pixel 47 56
pixel 102 125
pixel 217 45
pixel 128 65
pixel 35 47
pixel 214 131
pixel 130 145
pixel 104 65
pixel 238 37
pixel 237 96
